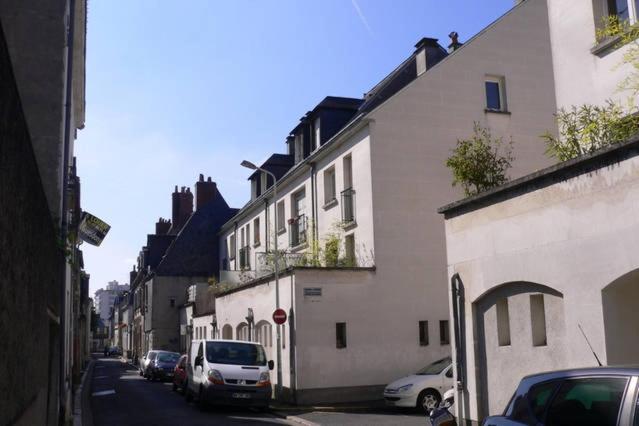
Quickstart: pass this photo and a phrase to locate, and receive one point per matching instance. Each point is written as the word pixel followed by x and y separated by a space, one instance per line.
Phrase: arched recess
pixel 264 333
pixel 620 300
pixel 519 329
pixel 227 332
pixel 242 331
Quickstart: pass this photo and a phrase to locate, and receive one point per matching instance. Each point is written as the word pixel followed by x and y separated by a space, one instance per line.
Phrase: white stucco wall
pixel 577 237
pixel 582 77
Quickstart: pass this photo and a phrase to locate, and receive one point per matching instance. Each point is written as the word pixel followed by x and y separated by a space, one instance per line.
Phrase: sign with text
pixel 92 229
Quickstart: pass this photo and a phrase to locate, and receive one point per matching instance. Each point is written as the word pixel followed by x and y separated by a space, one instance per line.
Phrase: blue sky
pixel 178 88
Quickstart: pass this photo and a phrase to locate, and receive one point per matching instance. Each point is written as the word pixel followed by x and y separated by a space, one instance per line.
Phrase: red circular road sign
pixel 279 316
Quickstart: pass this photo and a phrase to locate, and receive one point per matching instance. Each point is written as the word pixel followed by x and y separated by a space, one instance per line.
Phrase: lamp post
pixel 249 165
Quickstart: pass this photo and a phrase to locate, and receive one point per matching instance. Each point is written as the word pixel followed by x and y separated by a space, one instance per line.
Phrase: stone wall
pixel 32 264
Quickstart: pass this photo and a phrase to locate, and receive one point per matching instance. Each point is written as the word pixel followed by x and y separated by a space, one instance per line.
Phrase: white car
pixel 423 389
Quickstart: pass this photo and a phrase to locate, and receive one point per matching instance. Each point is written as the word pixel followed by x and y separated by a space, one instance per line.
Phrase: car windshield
pixel 235 353
pixel 168 357
pixel 436 367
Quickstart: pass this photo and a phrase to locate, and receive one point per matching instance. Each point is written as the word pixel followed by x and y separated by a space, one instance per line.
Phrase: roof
pixel 544 178
pixel 330 102
pixel 193 252
pixel 278 164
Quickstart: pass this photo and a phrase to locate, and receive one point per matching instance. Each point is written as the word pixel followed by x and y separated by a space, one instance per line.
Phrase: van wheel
pixel 201 404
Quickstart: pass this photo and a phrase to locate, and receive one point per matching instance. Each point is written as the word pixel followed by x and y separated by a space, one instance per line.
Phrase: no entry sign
pixel 279 316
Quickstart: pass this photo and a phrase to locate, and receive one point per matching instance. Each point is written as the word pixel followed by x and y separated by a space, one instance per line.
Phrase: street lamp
pixel 249 165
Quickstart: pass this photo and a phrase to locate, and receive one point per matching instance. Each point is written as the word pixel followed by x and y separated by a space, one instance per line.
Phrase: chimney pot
pixel 454 42
pixel 201 177
pixel 204 192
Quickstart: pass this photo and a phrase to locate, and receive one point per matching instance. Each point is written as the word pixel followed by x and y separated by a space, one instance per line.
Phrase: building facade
pixel 363 248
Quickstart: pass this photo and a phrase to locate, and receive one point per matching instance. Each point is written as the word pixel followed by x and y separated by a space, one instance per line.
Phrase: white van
pixel 228 372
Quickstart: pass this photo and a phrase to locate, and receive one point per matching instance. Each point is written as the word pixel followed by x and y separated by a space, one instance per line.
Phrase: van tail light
pixel 215 377
pixel 265 380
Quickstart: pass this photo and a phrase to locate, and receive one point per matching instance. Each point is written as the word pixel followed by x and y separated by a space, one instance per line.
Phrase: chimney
pixel 162 226
pixel 132 275
pixel 204 192
pixel 420 53
pixel 454 42
pixel 182 208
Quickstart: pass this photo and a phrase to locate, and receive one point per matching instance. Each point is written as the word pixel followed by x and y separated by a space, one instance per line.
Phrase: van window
pixel 235 353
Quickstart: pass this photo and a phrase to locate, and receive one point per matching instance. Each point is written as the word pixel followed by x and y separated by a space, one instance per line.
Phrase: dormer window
pixel 299 147
pixel 317 141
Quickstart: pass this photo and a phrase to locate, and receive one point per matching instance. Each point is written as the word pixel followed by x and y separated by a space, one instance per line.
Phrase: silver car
pixel 146 359
pixel 603 396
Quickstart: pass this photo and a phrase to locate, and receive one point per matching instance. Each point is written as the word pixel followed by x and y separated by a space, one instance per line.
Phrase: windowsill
pixel 281 231
pixel 606 46
pixel 496 111
pixel 331 203
pixel 349 225
pixel 257 244
pixel 299 247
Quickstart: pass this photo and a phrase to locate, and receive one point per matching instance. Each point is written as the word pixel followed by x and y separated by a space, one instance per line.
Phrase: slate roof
pixel 278 164
pixel 194 252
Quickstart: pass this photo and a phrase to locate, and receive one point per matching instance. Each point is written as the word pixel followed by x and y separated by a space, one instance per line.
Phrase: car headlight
pixel 404 388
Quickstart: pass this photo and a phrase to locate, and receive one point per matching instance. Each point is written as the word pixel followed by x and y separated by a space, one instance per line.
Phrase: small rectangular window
pixel 503 322
pixel 495 94
pixel 340 335
pixel 281 220
pixel 232 247
pixel 317 141
pixel 423 333
pixel 538 320
pixel 444 333
pixel 329 185
pixel 256 231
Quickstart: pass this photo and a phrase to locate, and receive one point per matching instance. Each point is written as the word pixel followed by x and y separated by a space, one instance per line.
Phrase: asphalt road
pixel 119 396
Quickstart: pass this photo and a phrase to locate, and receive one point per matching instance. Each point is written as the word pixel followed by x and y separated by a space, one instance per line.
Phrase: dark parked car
pixel 161 368
pixel 179 374
pixel 604 396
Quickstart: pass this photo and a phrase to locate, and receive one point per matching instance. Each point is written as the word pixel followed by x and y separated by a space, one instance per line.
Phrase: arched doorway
pixel 227 332
pixel 520 329
pixel 242 331
pixel 620 300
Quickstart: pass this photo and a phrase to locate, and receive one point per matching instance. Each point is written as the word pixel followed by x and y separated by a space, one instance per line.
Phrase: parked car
pixel 228 372
pixel 587 397
pixel 114 350
pixel 163 365
pixel 444 414
pixel 423 389
pixel 179 374
pixel 145 362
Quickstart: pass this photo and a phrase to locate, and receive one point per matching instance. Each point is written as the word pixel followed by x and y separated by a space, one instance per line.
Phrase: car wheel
pixel 428 400
pixel 140 373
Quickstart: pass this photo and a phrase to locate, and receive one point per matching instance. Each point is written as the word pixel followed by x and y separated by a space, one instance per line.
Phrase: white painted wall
pixel 582 77
pixel 577 237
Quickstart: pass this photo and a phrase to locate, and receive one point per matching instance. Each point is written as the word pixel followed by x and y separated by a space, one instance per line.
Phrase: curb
pixel 295 419
pixel 81 399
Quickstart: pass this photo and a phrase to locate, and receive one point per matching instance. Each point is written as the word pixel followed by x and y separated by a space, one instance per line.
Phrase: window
pixel 172 302
pixel 423 333
pixel 348 171
pixel 538 320
pixel 503 322
pixel 297 222
pixel 495 94
pixel 256 231
pixel 444 333
pixel 232 247
pixel 340 335
pixel 316 128
pixel 329 186
pixel 587 401
pixel 281 220
pixel 625 10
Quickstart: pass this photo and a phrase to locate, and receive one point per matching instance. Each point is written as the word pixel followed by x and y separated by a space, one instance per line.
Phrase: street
pixel 119 396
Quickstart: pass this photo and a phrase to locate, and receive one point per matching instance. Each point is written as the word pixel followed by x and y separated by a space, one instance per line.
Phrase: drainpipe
pixel 266 227
pixel 313 169
pixel 292 343
pixel 457 293
pixel 64 225
pixel 237 259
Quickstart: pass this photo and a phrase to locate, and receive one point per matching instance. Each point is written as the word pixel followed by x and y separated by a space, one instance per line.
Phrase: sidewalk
pixel 368 412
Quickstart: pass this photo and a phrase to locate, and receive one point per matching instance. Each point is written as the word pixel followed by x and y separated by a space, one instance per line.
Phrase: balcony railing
pixel 348 205
pixel 245 257
pixel 297 230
